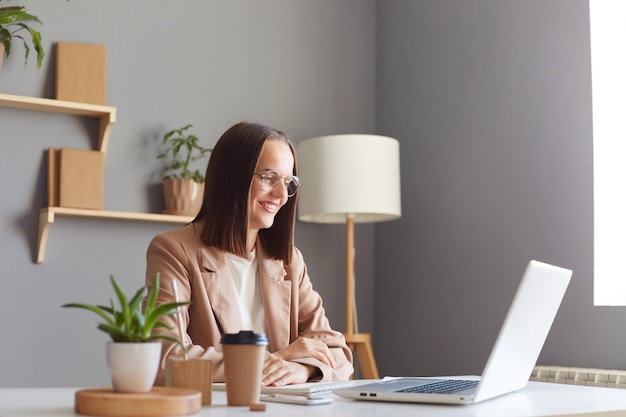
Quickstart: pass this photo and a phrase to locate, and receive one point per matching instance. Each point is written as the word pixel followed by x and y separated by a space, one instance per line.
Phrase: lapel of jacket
pixel 220 290
pixel 276 295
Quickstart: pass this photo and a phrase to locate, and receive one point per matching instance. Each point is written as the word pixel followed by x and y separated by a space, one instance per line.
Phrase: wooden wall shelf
pixel 106 114
pixel 48 214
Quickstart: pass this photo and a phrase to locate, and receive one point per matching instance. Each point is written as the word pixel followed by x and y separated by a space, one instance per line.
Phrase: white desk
pixel 538 399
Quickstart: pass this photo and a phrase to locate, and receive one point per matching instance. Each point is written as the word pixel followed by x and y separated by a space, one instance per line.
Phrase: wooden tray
pixel 160 401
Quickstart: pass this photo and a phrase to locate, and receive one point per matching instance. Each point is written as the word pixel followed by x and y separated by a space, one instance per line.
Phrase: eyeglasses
pixel 271 178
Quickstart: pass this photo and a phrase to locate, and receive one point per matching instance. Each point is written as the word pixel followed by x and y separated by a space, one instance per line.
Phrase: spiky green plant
pixel 182 149
pixel 130 323
pixel 13 20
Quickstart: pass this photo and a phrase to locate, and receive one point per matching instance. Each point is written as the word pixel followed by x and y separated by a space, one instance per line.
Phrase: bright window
pixel 608 74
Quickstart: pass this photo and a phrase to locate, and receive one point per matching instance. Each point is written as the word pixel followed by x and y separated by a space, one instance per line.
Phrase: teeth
pixel 271 207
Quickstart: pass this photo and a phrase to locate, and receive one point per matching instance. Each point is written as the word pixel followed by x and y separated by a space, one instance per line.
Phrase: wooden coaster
pixel 160 401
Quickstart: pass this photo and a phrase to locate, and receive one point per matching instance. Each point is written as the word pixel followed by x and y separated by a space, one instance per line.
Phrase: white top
pixel 246 282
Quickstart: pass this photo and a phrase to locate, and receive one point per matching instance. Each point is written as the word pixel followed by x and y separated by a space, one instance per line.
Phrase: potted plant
pixel 134 352
pixel 13 21
pixel 183 184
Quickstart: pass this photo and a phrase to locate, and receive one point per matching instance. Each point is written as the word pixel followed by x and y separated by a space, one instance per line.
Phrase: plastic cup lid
pixel 244 337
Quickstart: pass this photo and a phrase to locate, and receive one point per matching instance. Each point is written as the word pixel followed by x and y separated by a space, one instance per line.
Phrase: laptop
pixel 512 358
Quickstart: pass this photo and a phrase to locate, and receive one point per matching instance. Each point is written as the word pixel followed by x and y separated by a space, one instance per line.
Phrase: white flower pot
pixel 133 366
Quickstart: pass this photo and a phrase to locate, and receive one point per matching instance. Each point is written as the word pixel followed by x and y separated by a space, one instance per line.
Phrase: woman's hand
pixel 279 368
pixel 304 347
pixel 278 372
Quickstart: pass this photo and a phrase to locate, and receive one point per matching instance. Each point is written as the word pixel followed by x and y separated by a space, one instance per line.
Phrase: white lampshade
pixel 355 176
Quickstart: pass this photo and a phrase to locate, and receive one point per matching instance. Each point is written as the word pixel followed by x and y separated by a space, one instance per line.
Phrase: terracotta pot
pixel 183 196
pixel 133 366
pixel 1 53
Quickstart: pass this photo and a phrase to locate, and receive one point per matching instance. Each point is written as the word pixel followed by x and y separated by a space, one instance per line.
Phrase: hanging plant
pixel 14 24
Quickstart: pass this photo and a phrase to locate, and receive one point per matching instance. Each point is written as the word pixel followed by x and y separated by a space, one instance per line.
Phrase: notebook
pixel 512 358
pixel 309 389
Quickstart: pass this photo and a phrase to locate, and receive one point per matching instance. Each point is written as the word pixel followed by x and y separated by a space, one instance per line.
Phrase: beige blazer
pixel 292 307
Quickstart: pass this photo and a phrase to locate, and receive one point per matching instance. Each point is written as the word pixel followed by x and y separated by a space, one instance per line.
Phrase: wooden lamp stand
pixel 353 178
pixel 360 343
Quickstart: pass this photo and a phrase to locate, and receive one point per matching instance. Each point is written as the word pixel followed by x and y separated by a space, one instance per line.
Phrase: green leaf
pixel 123 304
pixel 170 338
pixel 15 14
pixel 182 150
pixel 36 37
pixel 152 295
pixel 96 309
pixel 129 323
pixel 12 21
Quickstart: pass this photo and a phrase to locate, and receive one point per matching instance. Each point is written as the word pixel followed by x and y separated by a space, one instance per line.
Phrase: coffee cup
pixel 244 355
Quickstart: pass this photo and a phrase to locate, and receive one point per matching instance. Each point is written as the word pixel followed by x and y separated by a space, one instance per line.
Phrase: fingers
pixel 320 351
pixel 323 354
pixel 308 348
pixel 277 372
pixel 279 368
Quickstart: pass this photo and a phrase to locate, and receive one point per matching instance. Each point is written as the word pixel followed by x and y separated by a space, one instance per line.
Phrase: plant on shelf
pixel 182 150
pixel 14 20
pixel 129 323
pixel 183 184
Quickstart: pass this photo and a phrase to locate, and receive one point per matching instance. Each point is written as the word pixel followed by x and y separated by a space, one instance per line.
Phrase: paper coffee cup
pixel 244 355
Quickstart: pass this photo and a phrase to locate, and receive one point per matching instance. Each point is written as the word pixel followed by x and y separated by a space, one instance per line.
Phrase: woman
pixel 237 263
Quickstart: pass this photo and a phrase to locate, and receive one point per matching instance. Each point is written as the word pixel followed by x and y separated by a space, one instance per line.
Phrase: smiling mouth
pixel 270 206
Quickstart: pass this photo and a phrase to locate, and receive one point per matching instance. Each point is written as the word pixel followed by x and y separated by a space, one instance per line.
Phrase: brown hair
pixel 224 211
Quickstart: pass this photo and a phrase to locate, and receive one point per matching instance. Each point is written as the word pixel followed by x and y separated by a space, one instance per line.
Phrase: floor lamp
pixel 350 179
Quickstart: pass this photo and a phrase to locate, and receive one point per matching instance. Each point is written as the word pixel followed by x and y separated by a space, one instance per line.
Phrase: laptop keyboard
pixel 449 386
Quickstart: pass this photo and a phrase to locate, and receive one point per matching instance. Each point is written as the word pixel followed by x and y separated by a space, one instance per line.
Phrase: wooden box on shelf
pixel 81 73
pixel 76 178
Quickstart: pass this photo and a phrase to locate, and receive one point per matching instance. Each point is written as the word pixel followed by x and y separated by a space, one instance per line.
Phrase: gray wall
pixel 305 67
pixel 491 101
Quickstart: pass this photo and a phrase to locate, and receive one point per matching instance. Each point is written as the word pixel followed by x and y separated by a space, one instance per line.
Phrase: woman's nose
pixel 280 189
